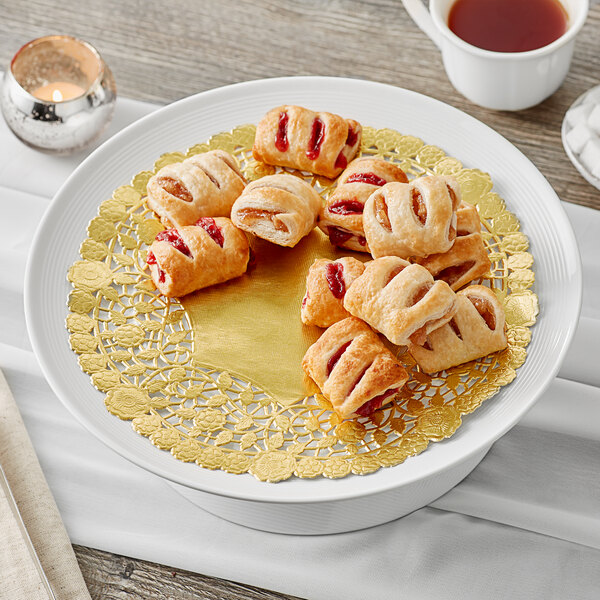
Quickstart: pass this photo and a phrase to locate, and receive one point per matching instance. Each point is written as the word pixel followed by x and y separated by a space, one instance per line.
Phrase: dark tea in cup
pixel 508 25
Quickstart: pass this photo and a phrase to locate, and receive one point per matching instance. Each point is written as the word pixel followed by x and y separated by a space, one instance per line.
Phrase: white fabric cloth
pixel 525 524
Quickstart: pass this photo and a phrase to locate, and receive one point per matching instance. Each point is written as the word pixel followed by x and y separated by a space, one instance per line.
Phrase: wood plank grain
pixel 113 577
pixel 162 51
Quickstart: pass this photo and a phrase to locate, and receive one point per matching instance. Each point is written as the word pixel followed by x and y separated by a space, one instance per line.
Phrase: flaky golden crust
pixel 279 208
pixel 467 259
pixel 299 132
pixel 364 371
pixel 323 303
pixel 399 299
pixel 392 223
pixel 211 181
pixel 343 211
pixel 468 336
pixel 467 219
pixel 208 264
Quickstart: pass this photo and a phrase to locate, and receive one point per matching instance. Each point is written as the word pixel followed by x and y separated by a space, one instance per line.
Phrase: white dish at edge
pixel 193 120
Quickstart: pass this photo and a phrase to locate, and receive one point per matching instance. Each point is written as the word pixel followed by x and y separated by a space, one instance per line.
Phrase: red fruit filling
pixel 335 357
pixel 281 141
pixel 338 236
pixel 173 237
pixel 369 407
pixel 209 225
pixel 175 188
pixel 316 139
pixel 369 178
pixel 352 137
pixel 151 260
pixel 347 207
pixel 341 162
pixel 334 273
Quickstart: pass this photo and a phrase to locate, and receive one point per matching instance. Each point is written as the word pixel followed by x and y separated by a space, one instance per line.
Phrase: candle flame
pixel 57 96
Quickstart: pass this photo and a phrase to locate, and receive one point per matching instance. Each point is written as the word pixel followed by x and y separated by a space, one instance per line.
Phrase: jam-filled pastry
pixel 326 285
pixel 279 208
pixel 189 258
pixel 319 142
pixel 400 300
pixel 476 330
pixel 353 369
pixel 204 185
pixel 412 219
pixel 467 259
pixel 342 216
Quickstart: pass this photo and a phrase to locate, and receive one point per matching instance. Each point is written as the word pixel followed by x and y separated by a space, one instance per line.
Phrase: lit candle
pixel 58 94
pixel 58 91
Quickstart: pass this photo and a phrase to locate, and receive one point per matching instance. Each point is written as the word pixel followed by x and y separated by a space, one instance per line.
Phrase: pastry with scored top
pixel 204 185
pixel 467 259
pixel 342 216
pixel 296 137
pixel 476 330
pixel 353 369
pixel 400 300
pixel 326 285
pixel 412 219
pixel 185 259
pixel 280 208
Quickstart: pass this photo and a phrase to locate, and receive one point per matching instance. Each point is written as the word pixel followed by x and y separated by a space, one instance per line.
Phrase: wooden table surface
pixel 161 51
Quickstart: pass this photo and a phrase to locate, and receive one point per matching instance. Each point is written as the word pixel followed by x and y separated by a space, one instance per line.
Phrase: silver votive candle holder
pixel 58 94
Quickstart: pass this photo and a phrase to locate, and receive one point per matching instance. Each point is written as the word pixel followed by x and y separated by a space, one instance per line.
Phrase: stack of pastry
pixel 426 245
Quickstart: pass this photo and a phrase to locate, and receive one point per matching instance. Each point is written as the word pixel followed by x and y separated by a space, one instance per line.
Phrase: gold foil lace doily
pixel 179 373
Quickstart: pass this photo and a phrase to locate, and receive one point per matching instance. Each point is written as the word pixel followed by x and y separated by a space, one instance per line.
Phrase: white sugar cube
pixel 593 96
pixel 593 119
pixel 579 114
pixel 578 137
pixel 596 172
pixel 590 156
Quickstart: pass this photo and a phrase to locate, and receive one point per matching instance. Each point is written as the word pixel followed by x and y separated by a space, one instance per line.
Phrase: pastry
pixel 326 285
pixel 342 217
pixel 412 219
pixel 476 330
pixel 400 300
pixel 467 259
pixel 318 142
pixel 204 185
pixel 279 208
pixel 353 369
pixel 188 258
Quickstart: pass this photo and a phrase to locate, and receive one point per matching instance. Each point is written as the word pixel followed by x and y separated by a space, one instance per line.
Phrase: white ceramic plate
pixel 194 120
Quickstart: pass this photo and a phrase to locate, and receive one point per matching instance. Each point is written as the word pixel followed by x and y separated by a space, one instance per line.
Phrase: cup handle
pixel 420 15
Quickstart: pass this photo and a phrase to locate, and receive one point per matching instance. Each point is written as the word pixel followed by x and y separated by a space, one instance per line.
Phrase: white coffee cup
pixel 500 80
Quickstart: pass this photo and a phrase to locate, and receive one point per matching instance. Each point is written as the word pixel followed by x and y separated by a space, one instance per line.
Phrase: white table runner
pixel 536 494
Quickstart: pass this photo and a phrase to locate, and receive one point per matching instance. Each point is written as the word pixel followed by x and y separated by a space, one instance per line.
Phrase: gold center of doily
pixel 252 324
pixel 216 379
